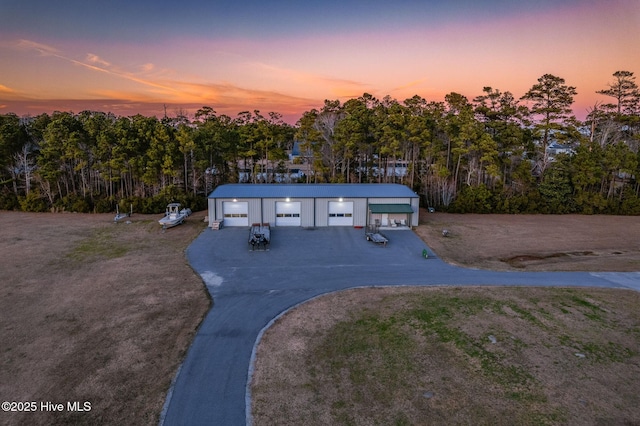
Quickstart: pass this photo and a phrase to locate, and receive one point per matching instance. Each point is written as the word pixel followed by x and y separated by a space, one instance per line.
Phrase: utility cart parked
pixel 373 234
pixel 259 235
pixel 377 238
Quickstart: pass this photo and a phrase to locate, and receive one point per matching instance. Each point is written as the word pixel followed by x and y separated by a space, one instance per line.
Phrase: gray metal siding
pixel 216 209
pixel 306 212
pixel 219 213
pixel 415 205
pixel 211 205
pixel 360 212
pixel 322 211
pixel 255 210
pixel 389 200
pixel 264 209
pixel 269 210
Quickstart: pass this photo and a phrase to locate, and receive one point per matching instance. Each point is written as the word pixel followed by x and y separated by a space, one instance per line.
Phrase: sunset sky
pixel 129 56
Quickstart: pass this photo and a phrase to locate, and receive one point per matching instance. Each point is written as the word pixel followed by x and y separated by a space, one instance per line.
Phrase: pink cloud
pixel 39 47
pixel 95 59
pixel 147 67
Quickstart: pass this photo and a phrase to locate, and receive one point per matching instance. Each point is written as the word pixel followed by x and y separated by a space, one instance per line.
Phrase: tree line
pixel 493 153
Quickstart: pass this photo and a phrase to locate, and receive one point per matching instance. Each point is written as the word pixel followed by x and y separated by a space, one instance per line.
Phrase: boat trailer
pixel 259 235
pixel 377 238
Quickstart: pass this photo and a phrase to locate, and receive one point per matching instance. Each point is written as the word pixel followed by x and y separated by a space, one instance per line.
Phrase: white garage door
pixel 340 213
pixel 236 213
pixel 288 213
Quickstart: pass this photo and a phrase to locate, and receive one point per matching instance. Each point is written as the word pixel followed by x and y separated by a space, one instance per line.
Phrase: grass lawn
pixel 455 356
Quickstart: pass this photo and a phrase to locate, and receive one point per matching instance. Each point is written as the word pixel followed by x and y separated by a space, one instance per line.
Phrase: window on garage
pixel 288 213
pixel 340 213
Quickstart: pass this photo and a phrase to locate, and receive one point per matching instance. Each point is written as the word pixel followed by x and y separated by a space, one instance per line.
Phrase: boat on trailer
pixel 174 215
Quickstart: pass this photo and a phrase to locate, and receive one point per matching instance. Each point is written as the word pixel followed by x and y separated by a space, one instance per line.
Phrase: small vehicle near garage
pixel 259 235
pixel 377 238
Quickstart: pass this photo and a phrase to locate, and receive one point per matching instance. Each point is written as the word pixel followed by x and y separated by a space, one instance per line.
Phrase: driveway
pixel 250 288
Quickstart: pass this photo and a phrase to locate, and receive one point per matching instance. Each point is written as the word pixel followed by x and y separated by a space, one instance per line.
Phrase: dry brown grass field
pixel 95 312
pixel 535 242
pixel 103 313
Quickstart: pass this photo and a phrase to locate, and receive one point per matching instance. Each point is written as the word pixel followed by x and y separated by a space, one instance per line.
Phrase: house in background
pixel 556 148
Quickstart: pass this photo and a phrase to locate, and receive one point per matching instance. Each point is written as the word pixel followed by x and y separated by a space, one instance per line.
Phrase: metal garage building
pixel 312 205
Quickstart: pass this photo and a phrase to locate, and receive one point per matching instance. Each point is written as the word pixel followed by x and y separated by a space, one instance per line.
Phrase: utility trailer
pixel 377 238
pixel 259 235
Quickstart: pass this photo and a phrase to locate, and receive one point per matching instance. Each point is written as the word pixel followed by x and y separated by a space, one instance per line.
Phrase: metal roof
pixel 323 190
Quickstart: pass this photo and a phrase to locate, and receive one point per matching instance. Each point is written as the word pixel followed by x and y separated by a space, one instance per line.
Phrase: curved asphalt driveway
pixel 250 288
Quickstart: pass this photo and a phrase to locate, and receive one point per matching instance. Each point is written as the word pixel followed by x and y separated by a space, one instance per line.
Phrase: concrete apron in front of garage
pixel 250 288
pixel 303 258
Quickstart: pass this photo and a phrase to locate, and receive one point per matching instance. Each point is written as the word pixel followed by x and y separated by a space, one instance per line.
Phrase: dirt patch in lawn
pixel 94 312
pixel 455 356
pixel 534 242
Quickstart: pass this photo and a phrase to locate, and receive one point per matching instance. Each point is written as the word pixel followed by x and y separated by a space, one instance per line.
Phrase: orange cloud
pixel 409 85
pixel 226 98
pixel 302 76
pixel 122 94
pixel 5 89
pixel 7 93
pixel 94 63
pixel 157 89
pixel 230 94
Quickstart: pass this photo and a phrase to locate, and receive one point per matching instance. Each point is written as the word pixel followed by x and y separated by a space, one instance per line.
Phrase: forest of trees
pixel 489 154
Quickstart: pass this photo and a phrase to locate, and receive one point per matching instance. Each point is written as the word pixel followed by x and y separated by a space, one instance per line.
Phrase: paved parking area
pixel 250 288
pixel 305 258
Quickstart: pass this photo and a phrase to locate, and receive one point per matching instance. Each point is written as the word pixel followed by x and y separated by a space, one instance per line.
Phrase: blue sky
pixel 149 20
pixel 288 56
